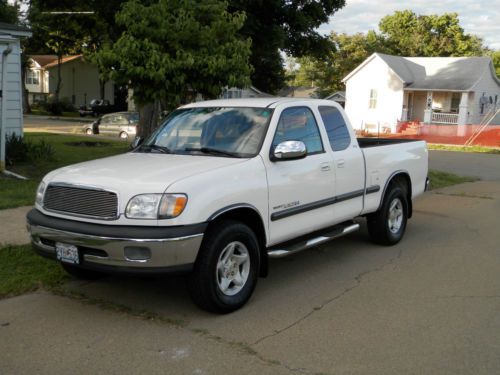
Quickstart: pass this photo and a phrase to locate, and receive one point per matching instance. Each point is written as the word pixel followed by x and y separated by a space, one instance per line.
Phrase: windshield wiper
pixel 162 149
pixel 213 151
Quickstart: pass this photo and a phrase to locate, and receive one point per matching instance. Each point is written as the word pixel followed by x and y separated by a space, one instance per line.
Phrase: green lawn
pixel 487 150
pixel 442 179
pixel 15 193
pixel 22 271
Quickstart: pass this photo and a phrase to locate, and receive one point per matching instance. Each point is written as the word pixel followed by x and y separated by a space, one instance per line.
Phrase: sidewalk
pixel 61 118
pixel 13 226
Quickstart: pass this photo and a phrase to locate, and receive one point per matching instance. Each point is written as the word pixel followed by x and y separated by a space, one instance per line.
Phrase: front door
pixel 299 190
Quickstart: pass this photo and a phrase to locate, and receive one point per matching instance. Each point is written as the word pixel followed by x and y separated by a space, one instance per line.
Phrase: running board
pixel 317 238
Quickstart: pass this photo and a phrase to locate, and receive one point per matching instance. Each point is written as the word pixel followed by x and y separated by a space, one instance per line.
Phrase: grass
pixel 22 271
pixel 69 149
pixel 442 179
pixel 480 149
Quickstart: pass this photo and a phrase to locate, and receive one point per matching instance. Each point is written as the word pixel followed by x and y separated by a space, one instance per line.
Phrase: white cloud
pixel 479 17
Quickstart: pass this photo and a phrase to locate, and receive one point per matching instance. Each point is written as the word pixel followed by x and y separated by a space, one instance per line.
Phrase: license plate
pixel 67 253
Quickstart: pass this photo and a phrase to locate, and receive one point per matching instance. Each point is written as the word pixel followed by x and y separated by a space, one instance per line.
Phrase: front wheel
pixel 388 224
pixel 226 270
pixel 88 131
pixel 123 135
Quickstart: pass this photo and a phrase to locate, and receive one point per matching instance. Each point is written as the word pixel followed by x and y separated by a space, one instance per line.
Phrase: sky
pixel 478 17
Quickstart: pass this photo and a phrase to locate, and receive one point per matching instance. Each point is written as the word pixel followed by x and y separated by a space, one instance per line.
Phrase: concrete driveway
pixel 430 304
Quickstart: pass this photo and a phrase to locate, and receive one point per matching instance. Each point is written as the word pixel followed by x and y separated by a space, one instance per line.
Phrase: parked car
pixel 221 187
pixel 122 124
pixel 96 108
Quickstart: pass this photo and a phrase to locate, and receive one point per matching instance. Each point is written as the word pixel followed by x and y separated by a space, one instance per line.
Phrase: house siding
pixel 376 75
pixel 490 87
pixel 12 90
pixel 80 80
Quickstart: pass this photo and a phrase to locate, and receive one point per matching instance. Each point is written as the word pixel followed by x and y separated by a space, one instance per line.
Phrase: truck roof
pixel 249 102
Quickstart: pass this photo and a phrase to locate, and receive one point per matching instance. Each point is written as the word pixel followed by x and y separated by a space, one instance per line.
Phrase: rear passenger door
pixel 105 124
pixel 348 164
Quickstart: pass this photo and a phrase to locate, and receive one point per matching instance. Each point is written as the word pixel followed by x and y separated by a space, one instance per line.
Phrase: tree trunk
pixel 149 114
pixel 102 84
pixel 26 103
pixel 58 86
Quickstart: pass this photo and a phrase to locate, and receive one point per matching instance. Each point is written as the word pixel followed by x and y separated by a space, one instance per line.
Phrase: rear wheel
pixel 123 135
pixel 387 225
pixel 81 273
pixel 226 270
pixel 88 131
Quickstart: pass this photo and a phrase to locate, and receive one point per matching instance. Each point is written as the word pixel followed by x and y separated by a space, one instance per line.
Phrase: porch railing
pixel 444 118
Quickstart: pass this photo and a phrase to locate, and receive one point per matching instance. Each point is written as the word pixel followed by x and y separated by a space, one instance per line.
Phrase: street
pixel 51 125
pixel 427 305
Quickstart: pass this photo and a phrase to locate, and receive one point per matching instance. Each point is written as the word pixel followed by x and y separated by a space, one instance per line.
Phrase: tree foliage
pixel 283 25
pixel 172 50
pixel 8 12
pixel 403 33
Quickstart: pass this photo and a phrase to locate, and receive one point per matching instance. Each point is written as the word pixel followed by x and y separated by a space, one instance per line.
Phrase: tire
pixel 123 135
pixel 226 271
pixel 388 224
pixel 88 131
pixel 81 273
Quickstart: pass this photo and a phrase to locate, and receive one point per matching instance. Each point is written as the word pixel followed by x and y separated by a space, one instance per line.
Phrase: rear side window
pixel 336 128
pixel 299 124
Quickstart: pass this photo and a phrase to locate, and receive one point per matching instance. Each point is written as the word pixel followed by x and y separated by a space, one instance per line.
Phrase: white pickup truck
pixel 222 186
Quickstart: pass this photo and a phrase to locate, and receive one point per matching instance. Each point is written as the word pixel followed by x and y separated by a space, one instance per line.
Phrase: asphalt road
pixel 480 165
pixel 51 125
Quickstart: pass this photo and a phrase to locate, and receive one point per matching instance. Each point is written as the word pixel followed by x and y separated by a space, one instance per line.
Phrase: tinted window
pixel 298 124
pixel 336 128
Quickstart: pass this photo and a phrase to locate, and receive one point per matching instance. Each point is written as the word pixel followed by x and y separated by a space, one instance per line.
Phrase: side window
pixel 298 124
pixel 338 135
pixel 106 119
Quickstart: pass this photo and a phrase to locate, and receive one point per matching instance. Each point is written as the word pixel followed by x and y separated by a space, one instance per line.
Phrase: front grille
pixel 81 201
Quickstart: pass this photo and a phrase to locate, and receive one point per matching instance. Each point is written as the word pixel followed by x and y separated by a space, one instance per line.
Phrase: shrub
pixel 17 149
pixel 57 108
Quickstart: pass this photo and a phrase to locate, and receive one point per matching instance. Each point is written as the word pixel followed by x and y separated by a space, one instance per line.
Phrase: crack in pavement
pixel 357 279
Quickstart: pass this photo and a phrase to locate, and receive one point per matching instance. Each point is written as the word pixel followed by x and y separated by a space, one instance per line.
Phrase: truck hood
pixel 137 173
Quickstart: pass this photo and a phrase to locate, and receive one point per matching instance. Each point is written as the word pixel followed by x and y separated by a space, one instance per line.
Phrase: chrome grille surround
pixel 81 201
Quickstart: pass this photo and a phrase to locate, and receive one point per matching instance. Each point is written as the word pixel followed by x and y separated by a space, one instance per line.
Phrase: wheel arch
pixel 400 177
pixel 250 216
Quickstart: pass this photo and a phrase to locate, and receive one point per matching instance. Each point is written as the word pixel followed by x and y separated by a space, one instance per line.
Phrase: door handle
pixel 340 163
pixel 325 167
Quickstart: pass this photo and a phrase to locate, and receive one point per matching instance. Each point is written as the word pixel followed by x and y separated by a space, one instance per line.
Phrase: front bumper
pixel 108 247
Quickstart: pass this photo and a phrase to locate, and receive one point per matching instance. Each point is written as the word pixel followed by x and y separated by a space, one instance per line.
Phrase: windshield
pixel 221 131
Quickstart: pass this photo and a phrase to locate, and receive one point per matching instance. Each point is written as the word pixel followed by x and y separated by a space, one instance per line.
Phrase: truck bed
pixel 372 142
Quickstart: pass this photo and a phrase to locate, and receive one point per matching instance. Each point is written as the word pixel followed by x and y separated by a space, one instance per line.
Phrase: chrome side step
pixel 294 246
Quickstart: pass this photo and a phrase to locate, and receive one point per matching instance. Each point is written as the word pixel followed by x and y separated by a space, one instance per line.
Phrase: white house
pixel 386 89
pixel 338 96
pixel 37 77
pixel 11 108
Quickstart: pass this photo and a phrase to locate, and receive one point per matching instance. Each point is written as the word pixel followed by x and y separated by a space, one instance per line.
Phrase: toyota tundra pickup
pixel 222 186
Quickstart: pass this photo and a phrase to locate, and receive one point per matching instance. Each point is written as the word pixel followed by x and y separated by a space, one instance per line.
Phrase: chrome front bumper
pixel 111 252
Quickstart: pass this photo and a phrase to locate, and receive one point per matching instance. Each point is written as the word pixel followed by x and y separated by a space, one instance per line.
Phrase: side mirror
pixel 136 142
pixel 289 150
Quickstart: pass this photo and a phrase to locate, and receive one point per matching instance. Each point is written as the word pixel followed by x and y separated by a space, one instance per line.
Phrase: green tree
pixel 283 25
pixel 409 34
pixel 172 50
pixel 8 13
pixel 495 56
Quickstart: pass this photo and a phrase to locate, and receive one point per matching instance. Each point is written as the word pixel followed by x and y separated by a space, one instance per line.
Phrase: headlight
pixel 39 193
pixel 156 206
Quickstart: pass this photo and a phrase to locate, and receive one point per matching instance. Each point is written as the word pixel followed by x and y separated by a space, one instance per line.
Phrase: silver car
pixel 122 124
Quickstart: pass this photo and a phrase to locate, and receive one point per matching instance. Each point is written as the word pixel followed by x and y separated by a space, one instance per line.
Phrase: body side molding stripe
pixel 323 203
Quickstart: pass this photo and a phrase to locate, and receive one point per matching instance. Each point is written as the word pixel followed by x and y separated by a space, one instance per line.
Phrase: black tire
pixel 205 279
pixel 379 227
pixel 82 273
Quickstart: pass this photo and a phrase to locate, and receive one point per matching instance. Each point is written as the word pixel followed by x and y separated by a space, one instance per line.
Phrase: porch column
pixel 462 114
pixel 428 109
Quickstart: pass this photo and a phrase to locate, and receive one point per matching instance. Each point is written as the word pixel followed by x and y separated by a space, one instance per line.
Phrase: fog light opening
pixel 137 254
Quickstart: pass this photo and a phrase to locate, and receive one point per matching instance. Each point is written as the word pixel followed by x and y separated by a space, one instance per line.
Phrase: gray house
pixel 11 108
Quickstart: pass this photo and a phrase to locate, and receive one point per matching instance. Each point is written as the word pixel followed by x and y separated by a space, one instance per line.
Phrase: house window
pixel 373 99
pixel 455 102
pixel 32 77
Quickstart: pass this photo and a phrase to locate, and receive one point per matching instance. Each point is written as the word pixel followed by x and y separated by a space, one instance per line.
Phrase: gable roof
pixel 43 60
pixel 435 73
pixel 15 30
pixel 64 60
pixel 339 95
